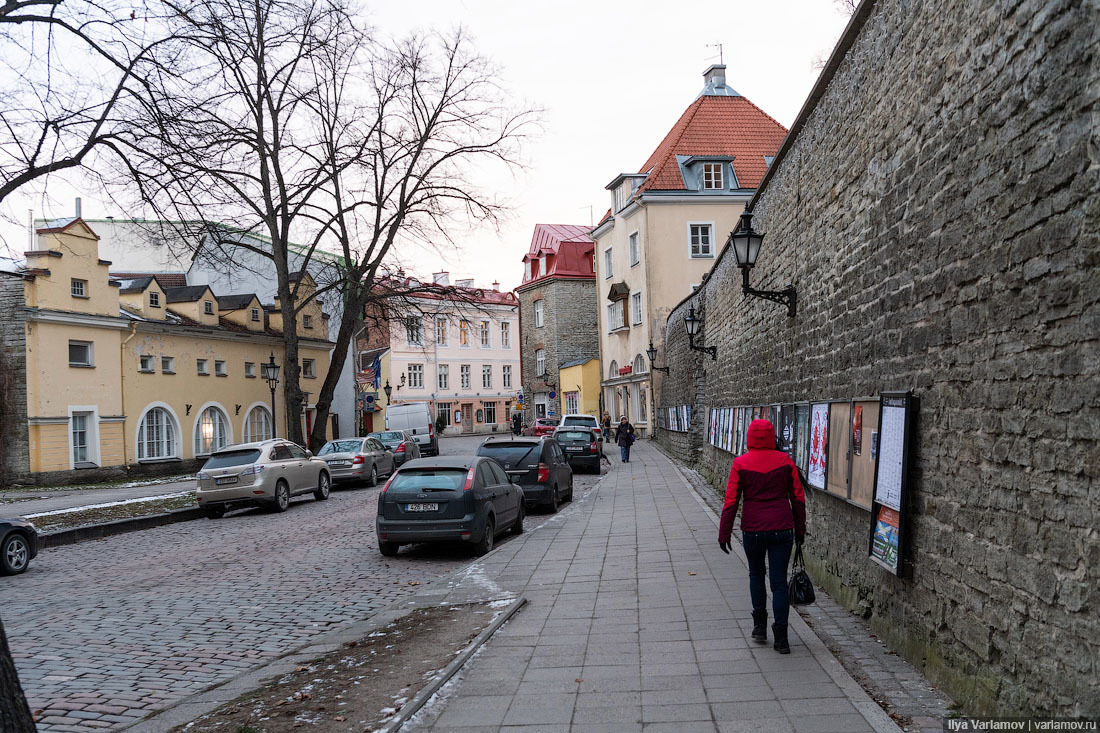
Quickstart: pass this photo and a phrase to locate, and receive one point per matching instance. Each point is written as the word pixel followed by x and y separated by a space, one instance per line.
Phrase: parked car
pixel 416 419
pixel 536 464
pixel 468 499
pixel 401 443
pixel 544 426
pixel 267 474
pixel 583 421
pixel 357 459
pixel 18 545
pixel 581 446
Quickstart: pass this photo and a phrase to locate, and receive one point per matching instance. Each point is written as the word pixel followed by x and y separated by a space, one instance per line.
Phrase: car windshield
pixel 546 421
pixel 233 458
pixel 340 446
pixel 579 420
pixel 430 478
pixel 388 435
pixel 573 435
pixel 511 453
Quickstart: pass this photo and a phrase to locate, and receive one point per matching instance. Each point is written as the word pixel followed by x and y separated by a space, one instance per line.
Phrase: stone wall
pixel 14 444
pixel 936 206
pixel 569 332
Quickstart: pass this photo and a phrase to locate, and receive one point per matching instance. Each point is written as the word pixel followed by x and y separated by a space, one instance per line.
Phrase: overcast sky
pixel 612 78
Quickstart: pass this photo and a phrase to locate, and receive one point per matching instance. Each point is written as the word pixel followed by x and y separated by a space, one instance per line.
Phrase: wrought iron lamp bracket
pixel 787 296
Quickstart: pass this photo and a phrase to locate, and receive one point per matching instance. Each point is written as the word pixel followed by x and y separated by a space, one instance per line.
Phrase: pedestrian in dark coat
pixel 605 424
pixel 625 438
pixel 773 520
pixel 517 424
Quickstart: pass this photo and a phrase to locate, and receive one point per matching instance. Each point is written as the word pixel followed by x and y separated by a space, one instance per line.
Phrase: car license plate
pixel 578 449
pixel 421 507
pixel 337 463
pixel 225 480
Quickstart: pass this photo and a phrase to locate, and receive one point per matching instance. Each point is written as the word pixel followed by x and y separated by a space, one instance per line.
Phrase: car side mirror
pixel 309 454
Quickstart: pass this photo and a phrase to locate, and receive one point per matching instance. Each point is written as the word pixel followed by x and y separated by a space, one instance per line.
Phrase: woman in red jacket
pixel 774 518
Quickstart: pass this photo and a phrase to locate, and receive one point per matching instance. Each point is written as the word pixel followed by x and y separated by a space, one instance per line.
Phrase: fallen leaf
pixel 691 572
pixel 340 718
pixel 300 669
pixel 414 582
pixel 580 679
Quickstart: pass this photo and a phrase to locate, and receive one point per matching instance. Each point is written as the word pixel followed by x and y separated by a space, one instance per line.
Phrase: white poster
pixel 819 438
pixel 891 451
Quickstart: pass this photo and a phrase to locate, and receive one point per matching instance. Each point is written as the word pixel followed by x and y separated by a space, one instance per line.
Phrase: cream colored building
pixel 666 226
pixel 126 373
pixel 580 386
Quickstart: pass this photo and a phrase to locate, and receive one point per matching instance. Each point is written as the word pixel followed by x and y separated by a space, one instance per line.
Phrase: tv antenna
pixel 719 47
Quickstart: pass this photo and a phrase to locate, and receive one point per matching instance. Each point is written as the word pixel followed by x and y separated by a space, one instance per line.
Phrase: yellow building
pixel 125 373
pixel 579 382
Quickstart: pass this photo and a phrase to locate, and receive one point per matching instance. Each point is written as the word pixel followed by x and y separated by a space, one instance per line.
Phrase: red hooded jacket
pixel 767 480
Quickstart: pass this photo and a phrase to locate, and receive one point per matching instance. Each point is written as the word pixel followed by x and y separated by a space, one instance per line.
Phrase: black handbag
pixel 800 589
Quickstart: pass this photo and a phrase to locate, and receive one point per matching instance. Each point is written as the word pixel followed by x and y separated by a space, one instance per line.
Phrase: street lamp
pixel 746 248
pixel 270 372
pixel 693 324
pixel 388 390
pixel 651 352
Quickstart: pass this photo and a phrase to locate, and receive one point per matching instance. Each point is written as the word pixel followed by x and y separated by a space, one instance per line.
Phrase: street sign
pixel 553 394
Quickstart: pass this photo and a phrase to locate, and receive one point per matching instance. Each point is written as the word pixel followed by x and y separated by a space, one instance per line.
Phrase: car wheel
pixel 373 480
pixel 554 499
pixel 324 487
pixel 282 497
pixel 517 528
pixel 388 549
pixel 486 544
pixel 214 512
pixel 15 554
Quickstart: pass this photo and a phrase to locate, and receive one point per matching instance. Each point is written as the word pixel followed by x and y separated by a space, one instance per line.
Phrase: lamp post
pixel 388 390
pixel 693 325
pixel 270 372
pixel 651 352
pixel 746 248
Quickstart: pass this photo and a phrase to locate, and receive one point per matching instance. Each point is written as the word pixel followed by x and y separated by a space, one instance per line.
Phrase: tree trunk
pixel 15 714
pixel 349 319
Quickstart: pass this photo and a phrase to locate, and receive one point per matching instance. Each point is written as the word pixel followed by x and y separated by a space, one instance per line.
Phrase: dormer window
pixel 712 176
pixel 307 321
pixel 208 307
pixel 79 288
pixel 527 270
pixel 154 300
pixel 255 315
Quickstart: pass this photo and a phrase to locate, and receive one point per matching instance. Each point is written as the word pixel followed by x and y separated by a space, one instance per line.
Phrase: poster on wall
pixel 786 429
pixel 886 542
pixel 710 426
pixel 884 538
pixel 891 452
pixel 742 426
pixel 819 439
pixel 802 432
pixel 857 430
pixel 730 418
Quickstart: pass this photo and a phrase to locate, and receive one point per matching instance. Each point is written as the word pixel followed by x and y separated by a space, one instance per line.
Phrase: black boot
pixel 781 645
pixel 760 626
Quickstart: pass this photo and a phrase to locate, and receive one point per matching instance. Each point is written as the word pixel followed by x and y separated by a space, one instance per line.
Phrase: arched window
pixel 257 426
pixel 639 365
pixel 614 370
pixel 156 435
pixel 211 431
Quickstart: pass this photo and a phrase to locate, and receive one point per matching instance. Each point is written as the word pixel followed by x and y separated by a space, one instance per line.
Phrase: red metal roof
pixel 567 250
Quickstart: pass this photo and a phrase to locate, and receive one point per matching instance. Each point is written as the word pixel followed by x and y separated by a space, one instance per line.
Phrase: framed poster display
pixel 819 441
pixel 731 419
pixel 723 429
pixel 864 424
pixel 802 436
pixel 840 441
pixel 744 418
pixel 786 429
pixel 887 532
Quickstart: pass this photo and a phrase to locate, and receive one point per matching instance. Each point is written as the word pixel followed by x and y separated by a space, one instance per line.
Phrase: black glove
pixel 725 546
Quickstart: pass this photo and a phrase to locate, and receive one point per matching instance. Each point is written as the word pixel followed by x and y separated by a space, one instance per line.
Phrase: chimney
pixel 465 283
pixel 77 207
pixel 441 278
pixel 496 285
pixel 714 82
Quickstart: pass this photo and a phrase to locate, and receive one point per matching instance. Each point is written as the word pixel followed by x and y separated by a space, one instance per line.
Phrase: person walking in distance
pixel 773 520
pixel 605 425
pixel 517 424
pixel 625 438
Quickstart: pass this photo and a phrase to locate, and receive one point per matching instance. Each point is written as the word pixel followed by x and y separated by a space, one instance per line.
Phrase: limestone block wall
pixel 14 445
pixel 936 206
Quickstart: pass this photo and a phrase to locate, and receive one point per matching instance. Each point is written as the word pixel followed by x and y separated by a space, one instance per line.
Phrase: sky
pixel 611 78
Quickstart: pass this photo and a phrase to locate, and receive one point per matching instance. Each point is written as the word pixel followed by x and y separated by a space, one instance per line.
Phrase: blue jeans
pixel 776 547
pixel 624 452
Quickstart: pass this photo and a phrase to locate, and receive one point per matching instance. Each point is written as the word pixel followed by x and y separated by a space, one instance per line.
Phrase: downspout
pixel 122 398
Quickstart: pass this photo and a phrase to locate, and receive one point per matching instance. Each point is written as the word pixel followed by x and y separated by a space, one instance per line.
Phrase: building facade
pixel 134 374
pixel 557 303
pixel 667 223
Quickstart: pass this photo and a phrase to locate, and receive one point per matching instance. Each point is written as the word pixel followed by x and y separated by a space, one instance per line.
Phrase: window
pixel 443 410
pixel 219 368
pixel 416 376
pixel 211 431
pixel 712 175
pixel 147 364
pixel 539 321
pixel 255 314
pixel 208 307
pixel 480 416
pixel 639 365
pixel 464 376
pixel 257 426
pixel 307 321
pixel 642 403
pixel 636 308
pixel 250 369
pixel 80 353
pixel 464 333
pixel 487 376
pixel 506 376
pixel 444 376
pixel 486 335
pixel 414 330
pixel 156 435
pixel 540 362
pixel 616 315
pixel 527 270
pixel 490 412
pixel 203 367
pixel 308 369
pixel 701 240
pixel 572 402
pixel 167 365
pixel 79 288
pixel 441 330
pixel 80 436
pixel 620 197
pixel 607 264
pixel 635 250
pixel 154 300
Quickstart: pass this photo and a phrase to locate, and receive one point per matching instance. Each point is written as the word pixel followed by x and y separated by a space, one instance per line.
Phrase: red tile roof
pixel 166 280
pixel 567 250
pixel 547 238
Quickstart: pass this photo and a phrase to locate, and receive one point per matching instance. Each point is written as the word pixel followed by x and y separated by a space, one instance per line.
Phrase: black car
pixel 536 464
pixel 581 447
pixel 18 545
pixel 404 447
pixel 468 499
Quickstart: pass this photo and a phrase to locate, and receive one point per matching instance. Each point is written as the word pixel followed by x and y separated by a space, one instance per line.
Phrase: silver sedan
pixel 357 460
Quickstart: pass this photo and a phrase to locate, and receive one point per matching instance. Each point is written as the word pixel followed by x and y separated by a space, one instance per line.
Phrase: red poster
pixel 857 430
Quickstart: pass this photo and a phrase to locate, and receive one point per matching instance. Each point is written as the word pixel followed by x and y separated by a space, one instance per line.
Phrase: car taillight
pixel 251 470
pixel 431 429
pixel 544 473
pixel 389 482
pixel 400 449
pixel 358 460
pixel 200 476
pixel 469 480
pixel 594 448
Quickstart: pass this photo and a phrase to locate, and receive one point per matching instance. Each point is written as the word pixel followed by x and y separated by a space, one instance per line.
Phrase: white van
pixel 416 418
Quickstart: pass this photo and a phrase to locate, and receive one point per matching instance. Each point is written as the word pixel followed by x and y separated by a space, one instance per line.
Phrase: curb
pixel 119 526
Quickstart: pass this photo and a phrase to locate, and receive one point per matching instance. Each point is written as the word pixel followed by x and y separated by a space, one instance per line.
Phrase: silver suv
pixel 265 474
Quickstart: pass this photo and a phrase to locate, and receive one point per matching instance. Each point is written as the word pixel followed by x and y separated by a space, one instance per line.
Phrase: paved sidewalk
pixel 636 621
pixel 51 499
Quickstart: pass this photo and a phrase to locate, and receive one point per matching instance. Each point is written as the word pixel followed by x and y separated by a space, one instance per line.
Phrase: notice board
pixel 887 534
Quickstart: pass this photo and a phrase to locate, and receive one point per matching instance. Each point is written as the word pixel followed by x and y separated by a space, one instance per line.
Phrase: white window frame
pixel 609 263
pixel 506 376
pixel 154 299
pixel 307 321
pixel 167 365
pixel 464 376
pixel 542 266
pixel 149 359
pixel 441 330
pixel 708 170
pixel 91 434
pixel 217 441
pixel 309 368
pixel 208 307
pixel 540 312
pixel 572 403
pixel 443 376
pixel 527 270
pixel 219 368
pixel 250 369
pixel 90 346
pixel 464 333
pixel 485 330
pixel 540 362
pixel 416 376
pixel 487 406
pixel 254 314
pixel 414 330
pixel 636 312
pixel 486 376
pixel 710 225
pixel 505 334
pixel 172 435
pixel 616 315
pixel 635 248
pixel 78 288
pixel 443 410
pixel 202 367
pixel 249 436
